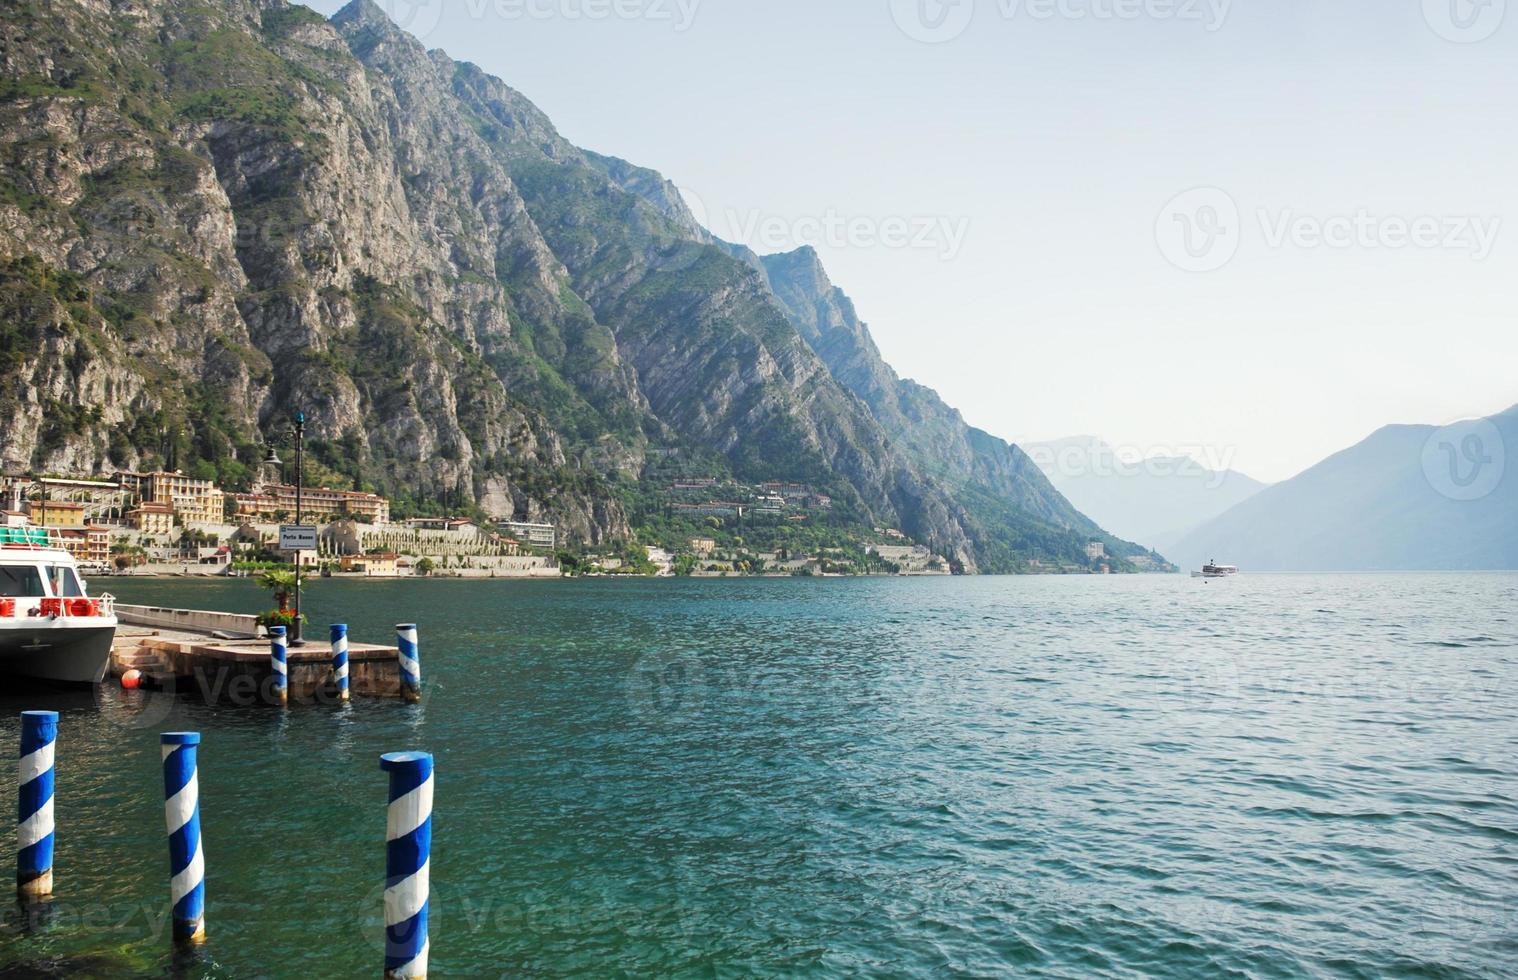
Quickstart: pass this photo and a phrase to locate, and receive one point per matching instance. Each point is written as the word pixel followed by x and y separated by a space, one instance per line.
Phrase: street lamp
pixel 300 483
pixel 271 458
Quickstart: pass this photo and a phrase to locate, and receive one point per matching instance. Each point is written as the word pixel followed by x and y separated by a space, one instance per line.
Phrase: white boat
pixel 51 630
pixel 1213 570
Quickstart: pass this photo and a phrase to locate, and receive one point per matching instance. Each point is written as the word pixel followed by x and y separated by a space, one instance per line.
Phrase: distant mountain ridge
pixel 216 212
pixel 1154 500
pixel 1408 498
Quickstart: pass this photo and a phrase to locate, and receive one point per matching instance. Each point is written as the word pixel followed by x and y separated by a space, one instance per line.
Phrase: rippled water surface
pixel 1271 776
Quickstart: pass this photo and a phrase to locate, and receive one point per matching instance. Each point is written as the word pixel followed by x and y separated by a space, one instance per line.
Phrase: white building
pixel 535 535
pixel 771 504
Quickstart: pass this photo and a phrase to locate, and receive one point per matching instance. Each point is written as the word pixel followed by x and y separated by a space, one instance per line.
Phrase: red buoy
pixel 131 680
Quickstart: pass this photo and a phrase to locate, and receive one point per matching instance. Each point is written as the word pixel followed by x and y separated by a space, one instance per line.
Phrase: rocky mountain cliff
pixel 999 485
pixel 216 212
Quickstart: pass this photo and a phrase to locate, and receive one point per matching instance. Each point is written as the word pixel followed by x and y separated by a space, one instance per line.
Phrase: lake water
pixel 1272 776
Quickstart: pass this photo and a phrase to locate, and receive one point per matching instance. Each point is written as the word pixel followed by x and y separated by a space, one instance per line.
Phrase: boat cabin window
pixel 21 582
pixel 65 583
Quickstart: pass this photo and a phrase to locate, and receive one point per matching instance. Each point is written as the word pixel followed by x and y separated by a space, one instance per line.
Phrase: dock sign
pixel 297 537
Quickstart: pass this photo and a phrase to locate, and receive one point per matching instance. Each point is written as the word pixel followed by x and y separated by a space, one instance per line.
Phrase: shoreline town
pixel 164 524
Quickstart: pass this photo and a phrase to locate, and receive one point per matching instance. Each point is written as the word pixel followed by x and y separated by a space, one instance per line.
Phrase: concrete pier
pixel 238 671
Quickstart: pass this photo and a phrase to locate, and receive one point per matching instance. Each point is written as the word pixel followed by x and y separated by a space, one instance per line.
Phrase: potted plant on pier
pixel 281 582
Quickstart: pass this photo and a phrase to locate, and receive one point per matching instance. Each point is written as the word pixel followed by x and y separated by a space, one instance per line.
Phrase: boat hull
pixel 55 654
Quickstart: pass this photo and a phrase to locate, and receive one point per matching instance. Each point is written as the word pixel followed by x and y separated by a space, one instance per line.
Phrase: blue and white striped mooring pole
pixel 340 659
pixel 34 815
pixel 411 662
pixel 408 856
pixel 187 862
pixel 279 663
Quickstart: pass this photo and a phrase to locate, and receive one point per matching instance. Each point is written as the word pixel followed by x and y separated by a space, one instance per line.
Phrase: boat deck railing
pixel 31 539
pixel 58 607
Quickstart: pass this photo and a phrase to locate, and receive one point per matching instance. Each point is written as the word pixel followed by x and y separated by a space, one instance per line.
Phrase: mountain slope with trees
pixel 217 212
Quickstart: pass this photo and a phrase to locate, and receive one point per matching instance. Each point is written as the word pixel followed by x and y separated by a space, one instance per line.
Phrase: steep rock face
pixel 255 228
pixel 934 433
pixel 500 262
pixel 961 476
pixel 998 484
pixel 217 212
pixel 715 356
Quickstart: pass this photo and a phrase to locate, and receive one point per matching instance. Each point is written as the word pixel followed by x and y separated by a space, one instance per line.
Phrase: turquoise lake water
pixel 1275 776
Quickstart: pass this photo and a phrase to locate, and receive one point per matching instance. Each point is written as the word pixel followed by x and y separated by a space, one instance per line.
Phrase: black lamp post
pixel 271 458
pixel 300 483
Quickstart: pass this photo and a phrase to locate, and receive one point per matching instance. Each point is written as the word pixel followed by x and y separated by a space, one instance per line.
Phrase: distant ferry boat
pixel 51 630
pixel 1213 570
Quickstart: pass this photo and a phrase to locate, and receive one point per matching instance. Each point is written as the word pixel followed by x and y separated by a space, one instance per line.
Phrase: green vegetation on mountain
pixel 219 212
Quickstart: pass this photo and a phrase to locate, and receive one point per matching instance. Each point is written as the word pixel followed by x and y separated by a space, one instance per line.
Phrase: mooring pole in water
pixel 408 855
pixel 411 662
pixel 279 663
pixel 34 815
pixel 340 659
pixel 187 862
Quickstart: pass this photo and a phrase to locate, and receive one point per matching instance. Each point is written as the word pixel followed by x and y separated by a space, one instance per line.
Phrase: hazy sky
pixel 999 186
